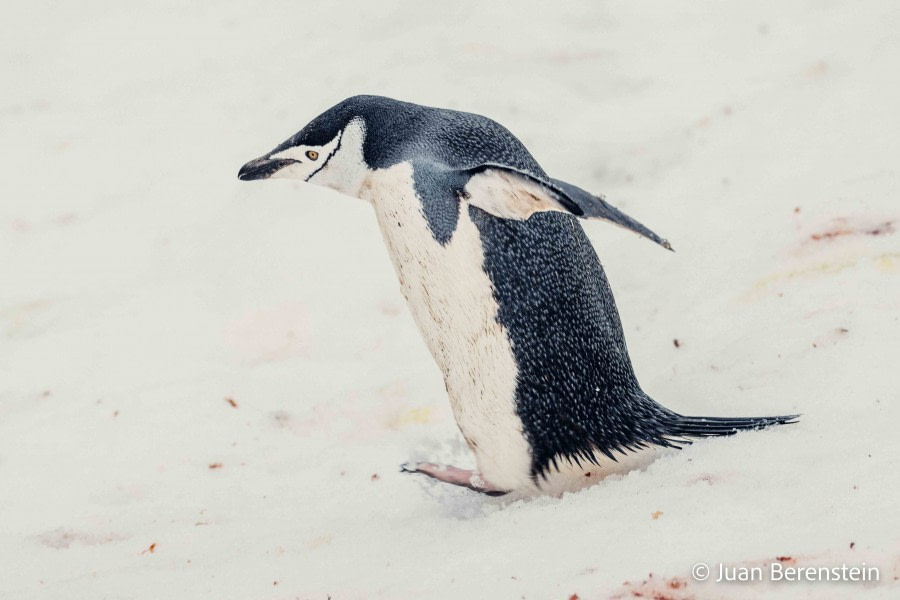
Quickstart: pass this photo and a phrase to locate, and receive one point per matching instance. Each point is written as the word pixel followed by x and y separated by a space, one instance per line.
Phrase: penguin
pixel 503 284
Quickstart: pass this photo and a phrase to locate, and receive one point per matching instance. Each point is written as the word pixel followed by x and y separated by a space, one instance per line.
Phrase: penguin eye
pixel 312 154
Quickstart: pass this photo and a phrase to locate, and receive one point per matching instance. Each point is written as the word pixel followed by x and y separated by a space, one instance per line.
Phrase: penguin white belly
pixel 452 301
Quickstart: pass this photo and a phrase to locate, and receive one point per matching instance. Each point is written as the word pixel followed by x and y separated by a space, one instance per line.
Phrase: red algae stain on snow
pixel 704 478
pixel 62 539
pixel 846 243
pixel 390 308
pixel 64 219
pixel 707 478
pixel 20 226
pixel 273 334
pixel 816 70
pixel 842 227
pixel 657 588
pixel 27 318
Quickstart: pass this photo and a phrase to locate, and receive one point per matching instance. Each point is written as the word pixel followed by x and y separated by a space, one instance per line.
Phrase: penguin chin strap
pixel 455 476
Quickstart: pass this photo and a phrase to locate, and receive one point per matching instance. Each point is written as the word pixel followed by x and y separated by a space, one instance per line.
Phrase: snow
pixel 143 286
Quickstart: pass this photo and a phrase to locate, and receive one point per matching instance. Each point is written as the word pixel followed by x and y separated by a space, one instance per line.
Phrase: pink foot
pixel 450 474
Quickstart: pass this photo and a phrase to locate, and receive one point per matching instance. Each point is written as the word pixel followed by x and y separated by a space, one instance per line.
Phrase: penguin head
pixel 329 151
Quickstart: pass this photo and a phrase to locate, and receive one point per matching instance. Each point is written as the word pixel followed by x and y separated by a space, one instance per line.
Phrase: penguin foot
pixel 455 476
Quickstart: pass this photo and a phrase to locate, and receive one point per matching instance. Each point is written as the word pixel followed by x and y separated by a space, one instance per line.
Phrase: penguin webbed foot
pixel 455 476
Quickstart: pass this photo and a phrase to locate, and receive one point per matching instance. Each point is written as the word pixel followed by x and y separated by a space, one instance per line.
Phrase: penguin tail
pixel 700 427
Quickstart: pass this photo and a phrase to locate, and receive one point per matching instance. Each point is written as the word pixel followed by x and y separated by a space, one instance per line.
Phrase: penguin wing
pixel 511 193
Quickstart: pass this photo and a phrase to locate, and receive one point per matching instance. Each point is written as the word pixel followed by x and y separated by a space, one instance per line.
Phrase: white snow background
pixel 142 285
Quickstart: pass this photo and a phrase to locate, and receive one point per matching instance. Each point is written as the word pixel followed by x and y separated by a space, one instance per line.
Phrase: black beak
pixel 262 168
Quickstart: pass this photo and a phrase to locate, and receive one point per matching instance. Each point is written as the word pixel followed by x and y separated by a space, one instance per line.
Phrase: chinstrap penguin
pixel 502 282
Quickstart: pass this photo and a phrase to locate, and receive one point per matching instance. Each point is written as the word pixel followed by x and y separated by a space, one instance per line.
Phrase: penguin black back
pixel 577 392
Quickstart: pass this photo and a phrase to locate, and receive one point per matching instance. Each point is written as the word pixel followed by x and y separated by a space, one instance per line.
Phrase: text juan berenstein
pixel 780 572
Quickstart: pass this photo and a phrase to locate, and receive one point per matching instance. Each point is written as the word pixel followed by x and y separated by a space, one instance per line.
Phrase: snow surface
pixel 142 286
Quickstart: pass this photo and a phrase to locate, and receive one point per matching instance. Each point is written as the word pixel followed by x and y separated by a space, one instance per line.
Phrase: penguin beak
pixel 262 168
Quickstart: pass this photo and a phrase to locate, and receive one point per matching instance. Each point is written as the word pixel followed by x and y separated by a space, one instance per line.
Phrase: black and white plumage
pixel 502 282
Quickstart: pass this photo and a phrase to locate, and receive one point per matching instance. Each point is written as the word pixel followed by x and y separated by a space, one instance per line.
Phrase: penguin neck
pixel 346 171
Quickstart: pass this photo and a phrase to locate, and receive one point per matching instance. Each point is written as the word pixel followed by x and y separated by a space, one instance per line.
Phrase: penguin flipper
pixel 511 193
